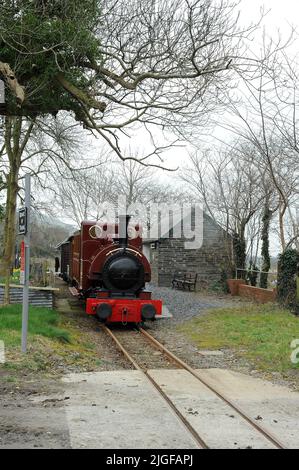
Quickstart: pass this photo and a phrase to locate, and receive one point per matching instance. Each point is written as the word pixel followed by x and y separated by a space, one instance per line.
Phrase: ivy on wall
pixel 286 282
pixel 239 248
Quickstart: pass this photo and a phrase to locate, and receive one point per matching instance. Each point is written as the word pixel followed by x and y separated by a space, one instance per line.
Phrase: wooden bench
pixel 190 280
pixel 182 279
pixel 178 279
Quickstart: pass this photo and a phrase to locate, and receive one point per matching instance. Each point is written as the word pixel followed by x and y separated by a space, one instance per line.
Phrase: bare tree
pixel 228 184
pixel 116 67
pixel 267 120
pixel 132 64
pixel 38 147
pixel 141 184
pixel 80 195
pixel 164 64
pixel 83 194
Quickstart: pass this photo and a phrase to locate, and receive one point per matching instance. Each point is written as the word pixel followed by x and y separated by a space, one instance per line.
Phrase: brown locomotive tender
pixel 105 265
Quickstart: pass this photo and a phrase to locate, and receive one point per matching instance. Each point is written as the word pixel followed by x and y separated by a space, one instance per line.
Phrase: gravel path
pixel 185 305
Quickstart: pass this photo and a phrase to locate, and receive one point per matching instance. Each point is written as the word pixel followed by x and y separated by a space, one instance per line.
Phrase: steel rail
pixel 273 439
pixel 185 422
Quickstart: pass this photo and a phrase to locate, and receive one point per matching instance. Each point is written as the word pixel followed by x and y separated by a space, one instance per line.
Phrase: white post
pixel 25 311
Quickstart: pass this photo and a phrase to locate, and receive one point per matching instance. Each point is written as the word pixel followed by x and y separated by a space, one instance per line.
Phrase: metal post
pixel 25 311
pixel 297 282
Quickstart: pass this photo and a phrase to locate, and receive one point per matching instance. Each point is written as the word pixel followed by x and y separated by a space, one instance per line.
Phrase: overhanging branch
pixel 10 78
pixel 79 94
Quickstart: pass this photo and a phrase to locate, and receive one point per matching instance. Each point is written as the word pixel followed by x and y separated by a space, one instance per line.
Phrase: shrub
pixel 221 284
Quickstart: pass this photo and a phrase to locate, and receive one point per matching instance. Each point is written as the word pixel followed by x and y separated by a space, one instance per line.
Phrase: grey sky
pixel 282 11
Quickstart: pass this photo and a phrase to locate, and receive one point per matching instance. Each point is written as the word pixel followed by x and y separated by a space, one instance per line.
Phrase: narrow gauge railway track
pixel 200 442
pixel 181 364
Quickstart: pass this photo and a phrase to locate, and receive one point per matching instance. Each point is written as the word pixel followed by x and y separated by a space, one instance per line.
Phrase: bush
pixel 221 284
pixel 286 281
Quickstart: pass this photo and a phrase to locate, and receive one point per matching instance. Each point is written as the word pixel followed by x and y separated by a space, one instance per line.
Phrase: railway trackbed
pixel 166 359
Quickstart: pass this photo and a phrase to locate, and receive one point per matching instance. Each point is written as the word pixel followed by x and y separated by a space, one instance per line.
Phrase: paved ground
pixel 122 410
pixel 275 407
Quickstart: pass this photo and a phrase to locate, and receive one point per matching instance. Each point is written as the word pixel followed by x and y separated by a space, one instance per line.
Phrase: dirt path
pixel 27 423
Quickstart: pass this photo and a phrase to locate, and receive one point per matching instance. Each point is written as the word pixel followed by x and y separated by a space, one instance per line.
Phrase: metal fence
pixel 37 297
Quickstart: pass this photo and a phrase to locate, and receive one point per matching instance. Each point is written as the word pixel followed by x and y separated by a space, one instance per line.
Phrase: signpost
pixel 23 221
pixel 24 229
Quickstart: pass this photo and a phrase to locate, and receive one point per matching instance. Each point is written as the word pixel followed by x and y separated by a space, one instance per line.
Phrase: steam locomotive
pixel 105 265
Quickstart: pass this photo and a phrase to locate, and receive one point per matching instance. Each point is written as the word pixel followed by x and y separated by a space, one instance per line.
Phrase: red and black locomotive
pixel 105 265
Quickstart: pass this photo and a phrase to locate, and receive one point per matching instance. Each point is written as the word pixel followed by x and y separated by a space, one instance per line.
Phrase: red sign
pixel 22 273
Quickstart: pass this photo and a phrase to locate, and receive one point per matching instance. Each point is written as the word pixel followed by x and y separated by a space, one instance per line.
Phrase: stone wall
pixel 208 261
pixel 155 265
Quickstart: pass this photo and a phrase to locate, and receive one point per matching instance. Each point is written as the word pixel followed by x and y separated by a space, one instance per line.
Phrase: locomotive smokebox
pixel 123 229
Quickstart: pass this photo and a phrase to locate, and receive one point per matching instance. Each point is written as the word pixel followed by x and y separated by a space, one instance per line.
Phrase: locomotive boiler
pixel 105 265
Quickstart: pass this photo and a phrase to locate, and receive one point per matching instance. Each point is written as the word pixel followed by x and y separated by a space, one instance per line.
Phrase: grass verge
pixel 43 322
pixel 54 344
pixel 261 333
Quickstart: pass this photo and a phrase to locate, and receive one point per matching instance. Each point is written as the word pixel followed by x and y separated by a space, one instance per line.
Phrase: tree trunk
pixel 282 210
pixel 266 264
pixel 10 228
pixel 239 246
pixel 12 136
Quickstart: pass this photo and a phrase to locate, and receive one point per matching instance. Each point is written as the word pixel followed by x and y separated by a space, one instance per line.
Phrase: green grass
pixel 14 279
pixel 260 333
pixel 42 322
pixel 55 344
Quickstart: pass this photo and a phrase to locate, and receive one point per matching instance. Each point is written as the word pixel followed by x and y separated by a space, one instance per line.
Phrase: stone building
pixel 168 254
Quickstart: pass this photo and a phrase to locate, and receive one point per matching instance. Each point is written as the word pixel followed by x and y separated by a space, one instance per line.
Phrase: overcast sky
pixel 280 17
pixel 282 11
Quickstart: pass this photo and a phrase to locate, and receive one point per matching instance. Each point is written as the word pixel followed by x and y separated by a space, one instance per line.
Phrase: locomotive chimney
pixel 123 229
